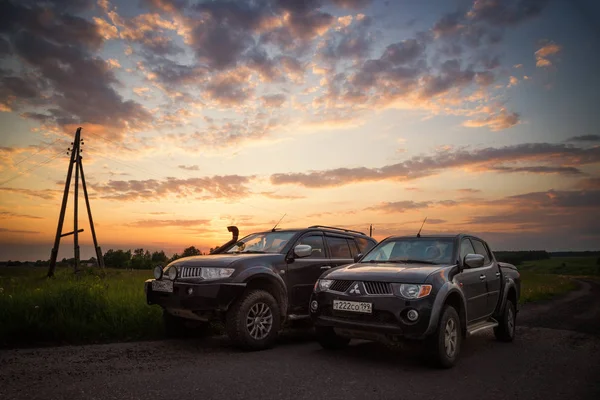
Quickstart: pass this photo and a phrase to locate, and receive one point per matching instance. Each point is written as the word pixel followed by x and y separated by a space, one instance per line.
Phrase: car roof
pixel 322 228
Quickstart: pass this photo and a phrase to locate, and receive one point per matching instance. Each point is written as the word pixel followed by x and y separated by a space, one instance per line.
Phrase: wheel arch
pixel 272 284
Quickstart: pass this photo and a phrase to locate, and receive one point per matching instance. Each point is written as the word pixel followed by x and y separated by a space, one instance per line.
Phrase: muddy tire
pixel 253 321
pixel 330 340
pixel 505 331
pixel 443 346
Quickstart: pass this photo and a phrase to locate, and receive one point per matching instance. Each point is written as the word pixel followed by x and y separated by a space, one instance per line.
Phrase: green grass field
pixel 95 306
pixel 579 266
pixel 104 306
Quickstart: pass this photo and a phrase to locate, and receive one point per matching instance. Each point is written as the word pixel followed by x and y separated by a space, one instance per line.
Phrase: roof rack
pixel 337 229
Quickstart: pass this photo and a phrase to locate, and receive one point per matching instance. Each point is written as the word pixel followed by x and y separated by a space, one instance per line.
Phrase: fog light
pixel 190 291
pixel 314 305
pixel 412 315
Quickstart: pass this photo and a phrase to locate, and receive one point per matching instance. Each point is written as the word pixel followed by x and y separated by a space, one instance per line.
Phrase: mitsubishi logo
pixel 355 289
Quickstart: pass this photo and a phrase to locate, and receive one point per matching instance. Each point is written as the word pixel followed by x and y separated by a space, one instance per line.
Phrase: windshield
pixel 424 250
pixel 267 242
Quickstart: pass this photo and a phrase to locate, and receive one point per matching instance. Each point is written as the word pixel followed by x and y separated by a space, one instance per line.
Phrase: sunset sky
pixel 482 116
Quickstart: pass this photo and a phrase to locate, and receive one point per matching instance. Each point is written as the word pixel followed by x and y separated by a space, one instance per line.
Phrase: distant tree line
pixel 143 259
pixel 518 257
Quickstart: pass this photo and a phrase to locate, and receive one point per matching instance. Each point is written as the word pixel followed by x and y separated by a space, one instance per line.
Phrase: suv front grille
pixel 340 286
pixel 190 272
pixel 378 287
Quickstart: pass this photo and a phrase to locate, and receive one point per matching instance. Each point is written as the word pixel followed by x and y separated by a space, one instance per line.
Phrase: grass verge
pixel 92 307
pixel 538 287
pixel 107 306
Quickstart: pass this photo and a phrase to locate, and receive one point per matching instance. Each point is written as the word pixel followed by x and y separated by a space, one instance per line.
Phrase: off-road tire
pixel 505 332
pixel 235 321
pixel 330 340
pixel 435 344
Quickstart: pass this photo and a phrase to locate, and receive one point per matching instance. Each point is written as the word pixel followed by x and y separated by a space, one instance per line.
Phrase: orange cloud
pixel 542 56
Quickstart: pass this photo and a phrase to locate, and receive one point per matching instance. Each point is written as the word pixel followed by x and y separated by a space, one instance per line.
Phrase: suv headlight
pixel 411 291
pixel 323 284
pixel 216 273
pixel 172 273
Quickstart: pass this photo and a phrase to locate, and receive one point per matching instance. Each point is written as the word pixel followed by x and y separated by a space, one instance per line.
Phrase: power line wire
pixel 31 169
pixel 38 152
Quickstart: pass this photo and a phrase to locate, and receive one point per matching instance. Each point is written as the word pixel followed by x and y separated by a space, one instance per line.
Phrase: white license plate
pixel 353 306
pixel 162 286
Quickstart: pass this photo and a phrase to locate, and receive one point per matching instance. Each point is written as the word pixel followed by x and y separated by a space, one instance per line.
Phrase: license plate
pixel 162 286
pixel 353 306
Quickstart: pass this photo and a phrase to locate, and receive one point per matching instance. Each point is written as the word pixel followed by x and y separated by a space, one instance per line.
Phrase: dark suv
pixel 438 289
pixel 254 285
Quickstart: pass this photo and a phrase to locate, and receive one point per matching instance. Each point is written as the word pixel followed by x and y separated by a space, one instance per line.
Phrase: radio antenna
pixel 419 234
pixel 273 230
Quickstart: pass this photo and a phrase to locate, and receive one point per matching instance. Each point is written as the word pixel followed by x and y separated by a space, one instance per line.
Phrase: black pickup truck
pixel 436 289
pixel 255 285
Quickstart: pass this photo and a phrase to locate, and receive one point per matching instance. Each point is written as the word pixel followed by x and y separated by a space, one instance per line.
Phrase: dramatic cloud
pixel 501 159
pixel 19 232
pixel 189 167
pixel 543 55
pixel 584 138
pixel 216 187
pixel 496 122
pixel 57 51
pixel 11 214
pixel 399 206
pixel 352 4
pixel 45 194
pixel 161 223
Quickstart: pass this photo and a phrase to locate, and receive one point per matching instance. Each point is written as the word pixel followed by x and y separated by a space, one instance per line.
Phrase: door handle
pixel 481 277
pixel 497 273
pixel 325 267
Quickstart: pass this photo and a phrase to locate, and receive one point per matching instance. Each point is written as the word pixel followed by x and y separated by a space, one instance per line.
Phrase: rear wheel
pixel 505 331
pixel 444 344
pixel 253 322
pixel 330 340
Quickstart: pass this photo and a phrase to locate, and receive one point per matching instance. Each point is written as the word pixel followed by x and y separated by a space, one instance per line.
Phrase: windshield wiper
pixel 380 261
pixel 410 261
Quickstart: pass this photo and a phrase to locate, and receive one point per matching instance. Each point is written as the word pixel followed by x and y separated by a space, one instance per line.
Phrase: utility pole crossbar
pixel 70 233
pixel 74 161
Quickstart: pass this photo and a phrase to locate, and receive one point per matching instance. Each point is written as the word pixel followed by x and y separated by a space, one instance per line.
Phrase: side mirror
pixel 473 260
pixel 302 250
pixel 357 257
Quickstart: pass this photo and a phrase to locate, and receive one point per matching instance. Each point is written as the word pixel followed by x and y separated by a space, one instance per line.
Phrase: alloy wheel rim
pixel 450 338
pixel 259 321
pixel 511 322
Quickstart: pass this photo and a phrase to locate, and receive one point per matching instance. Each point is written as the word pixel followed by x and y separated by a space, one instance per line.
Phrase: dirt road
pixel 555 356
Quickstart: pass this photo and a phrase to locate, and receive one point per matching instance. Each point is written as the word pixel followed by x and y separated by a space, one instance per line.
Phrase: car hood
pixel 408 273
pixel 221 260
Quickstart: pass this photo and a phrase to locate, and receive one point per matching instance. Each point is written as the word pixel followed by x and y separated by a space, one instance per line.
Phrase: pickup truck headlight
pixel 411 291
pixel 216 273
pixel 323 284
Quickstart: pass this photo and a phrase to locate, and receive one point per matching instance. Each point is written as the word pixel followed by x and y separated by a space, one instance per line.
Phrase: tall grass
pixel 94 306
pixel 537 287
pixel 580 266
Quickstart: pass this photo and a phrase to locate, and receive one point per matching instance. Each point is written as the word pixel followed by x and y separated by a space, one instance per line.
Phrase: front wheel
pixel 254 320
pixel 444 344
pixel 330 340
pixel 505 331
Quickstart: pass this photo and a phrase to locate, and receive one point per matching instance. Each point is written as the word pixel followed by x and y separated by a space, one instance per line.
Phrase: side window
pixel 317 244
pixel 480 249
pixel 338 247
pixel 466 248
pixel 364 245
pixel 353 247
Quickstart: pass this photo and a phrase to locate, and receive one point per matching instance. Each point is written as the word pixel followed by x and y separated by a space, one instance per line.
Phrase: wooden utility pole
pixel 371 230
pixel 76 162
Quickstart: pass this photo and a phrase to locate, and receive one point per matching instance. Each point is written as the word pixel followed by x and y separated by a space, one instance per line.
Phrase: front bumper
pixel 388 315
pixel 205 298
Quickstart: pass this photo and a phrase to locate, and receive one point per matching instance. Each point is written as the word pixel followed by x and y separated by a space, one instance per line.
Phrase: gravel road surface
pixel 556 355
